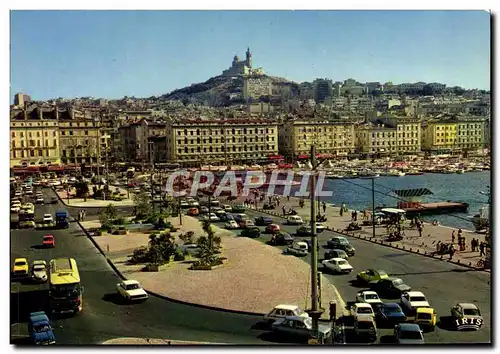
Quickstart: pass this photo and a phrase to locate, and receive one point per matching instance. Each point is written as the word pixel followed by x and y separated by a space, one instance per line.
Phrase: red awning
pixel 276 157
pixel 285 165
pixel 324 156
pixel 33 168
pixel 55 168
pixel 303 156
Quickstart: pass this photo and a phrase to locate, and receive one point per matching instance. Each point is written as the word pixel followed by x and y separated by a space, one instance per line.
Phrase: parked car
pixel 320 227
pixel 361 308
pixel 282 311
pixel 339 242
pixel 212 217
pixel 246 223
pixel 239 217
pixel 370 297
pixel 263 221
pixel 281 238
pixel 21 267
pixel 203 210
pixel 231 224
pixel 40 329
pixel 294 220
pixel 39 271
pixel 408 333
pixel 193 212
pixel 390 287
pixel 365 328
pixel 48 241
pixel 239 208
pixel 304 231
pixel 15 208
pixel 299 249
pixel 272 228
pixel 252 232
pixel 412 300
pixel 389 313
pixel 370 275
pixel 299 327
pixel 426 318
pixel 467 316
pixel 227 208
pixel 335 254
pixel 184 204
pixel 39 200
pixel 131 290
pixel 47 218
pixel 337 265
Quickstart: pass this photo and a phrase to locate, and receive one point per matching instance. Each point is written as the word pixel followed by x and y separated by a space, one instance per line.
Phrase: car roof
pixel 130 282
pixel 415 293
pixel 20 260
pixel 409 327
pixel 369 292
pixel 392 278
pixel 391 304
pixel 286 307
pixel 467 305
pixel 338 259
pixel 362 304
pixel 364 317
pixel 297 318
pixel 338 250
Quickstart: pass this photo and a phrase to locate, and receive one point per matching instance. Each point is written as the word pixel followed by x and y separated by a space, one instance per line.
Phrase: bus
pixel 65 288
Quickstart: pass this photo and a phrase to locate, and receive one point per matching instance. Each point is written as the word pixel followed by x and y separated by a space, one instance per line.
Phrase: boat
pixel 481 220
pixel 396 173
pixel 414 172
pixel 460 171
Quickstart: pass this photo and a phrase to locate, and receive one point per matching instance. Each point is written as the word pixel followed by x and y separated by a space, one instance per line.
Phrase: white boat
pixel 396 173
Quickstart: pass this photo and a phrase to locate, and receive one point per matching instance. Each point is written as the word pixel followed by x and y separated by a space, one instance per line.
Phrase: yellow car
pixel 370 275
pixel 21 267
pixel 426 318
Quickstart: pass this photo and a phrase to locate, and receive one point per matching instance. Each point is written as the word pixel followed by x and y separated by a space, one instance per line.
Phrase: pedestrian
pixel 452 252
pixel 473 244
pixel 278 201
pixel 84 214
pixel 324 208
pixel 355 215
pixel 453 237
pixel 419 228
pixel 288 198
pixel 481 249
pixel 284 210
pixel 341 211
pixel 438 245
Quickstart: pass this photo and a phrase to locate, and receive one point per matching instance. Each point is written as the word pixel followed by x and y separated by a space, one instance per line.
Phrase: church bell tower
pixel 249 58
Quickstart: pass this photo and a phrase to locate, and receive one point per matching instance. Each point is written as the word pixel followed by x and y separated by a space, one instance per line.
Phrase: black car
pixel 263 221
pixel 341 243
pixel 390 287
pixel 304 231
pixel 53 201
pixel 282 238
pixel 336 253
pixel 252 232
pixel 388 314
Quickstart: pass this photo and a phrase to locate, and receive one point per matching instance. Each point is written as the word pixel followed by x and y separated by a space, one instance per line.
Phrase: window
pixel 13 134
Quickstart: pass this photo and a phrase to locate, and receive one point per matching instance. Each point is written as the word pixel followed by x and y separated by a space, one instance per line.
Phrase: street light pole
pixel 373 207
pixel 315 312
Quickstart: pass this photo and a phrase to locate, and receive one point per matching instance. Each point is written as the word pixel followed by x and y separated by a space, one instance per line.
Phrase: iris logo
pixel 469 323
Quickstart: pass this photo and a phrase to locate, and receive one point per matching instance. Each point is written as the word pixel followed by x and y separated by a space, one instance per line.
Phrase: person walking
pixel 324 208
pixel 481 249
pixel 473 244
pixel 284 210
pixel 452 252
pixel 288 198
pixel 453 237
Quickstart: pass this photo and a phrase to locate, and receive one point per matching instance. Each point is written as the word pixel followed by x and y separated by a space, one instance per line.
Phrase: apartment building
pixel 329 137
pixel 471 133
pixel 376 138
pixel 191 142
pixel 408 133
pixel 135 138
pixel 34 137
pixel 439 136
pixel 255 86
pixel 79 138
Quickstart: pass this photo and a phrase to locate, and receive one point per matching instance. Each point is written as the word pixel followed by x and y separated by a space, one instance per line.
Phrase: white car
pixel 193 203
pixel 370 297
pixel 212 217
pixel 294 220
pixel 39 271
pixel 320 227
pixel 39 200
pixel 282 311
pixel 15 208
pixel 361 308
pixel 337 265
pixel 54 183
pixel 228 208
pixel 18 194
pixel 413 300
pixel 29 191
pixel 231 224
pixel 131 290
pixel 184 204
pixel 47 218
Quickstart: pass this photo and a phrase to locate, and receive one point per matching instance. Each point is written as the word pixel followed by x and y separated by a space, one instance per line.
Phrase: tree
pixel 82 189
pixel 142 204
pixel 108 215
pixel 209 246
pixel 161 248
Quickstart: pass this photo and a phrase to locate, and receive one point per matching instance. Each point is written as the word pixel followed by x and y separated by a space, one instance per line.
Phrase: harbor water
pixel 357 193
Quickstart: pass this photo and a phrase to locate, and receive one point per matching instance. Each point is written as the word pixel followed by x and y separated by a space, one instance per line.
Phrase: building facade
pixel 34 137
pixel 376 138
pixel 255 86
pixel 330 138
pixel 197 142
pixel 439 136
pixel 470 133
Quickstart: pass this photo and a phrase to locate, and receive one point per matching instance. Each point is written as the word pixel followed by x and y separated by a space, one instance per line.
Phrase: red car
pixel 48 241
pixel 193 212
pixel 272 228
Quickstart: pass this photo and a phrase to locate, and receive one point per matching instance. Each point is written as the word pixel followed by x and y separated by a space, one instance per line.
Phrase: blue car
pixel 408 333
pixel 388 314
pixel 263 221
pixel 40 330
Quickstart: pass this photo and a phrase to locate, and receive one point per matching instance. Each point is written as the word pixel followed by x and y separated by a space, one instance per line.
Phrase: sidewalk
pixel 431 235
pixel 255 278
pixel 153 341
pixel 81 203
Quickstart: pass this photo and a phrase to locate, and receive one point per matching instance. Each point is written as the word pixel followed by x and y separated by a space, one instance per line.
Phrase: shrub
pixel 139 255
pixel 179 255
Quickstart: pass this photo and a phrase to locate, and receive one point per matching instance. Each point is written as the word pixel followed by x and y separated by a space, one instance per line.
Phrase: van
pixel 365 327
pixel 295 220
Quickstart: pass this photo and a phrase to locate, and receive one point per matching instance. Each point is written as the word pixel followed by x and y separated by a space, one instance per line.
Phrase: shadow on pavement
pixel 463 270
pixel 116 299
pixel 38 247
pixel 23 303
pixel 21 341
pixel 355 283
pixel 446 323
pixel 388 339
pixel 276 338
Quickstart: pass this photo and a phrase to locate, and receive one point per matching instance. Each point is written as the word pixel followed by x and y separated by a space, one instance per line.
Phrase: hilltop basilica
pixel 243 67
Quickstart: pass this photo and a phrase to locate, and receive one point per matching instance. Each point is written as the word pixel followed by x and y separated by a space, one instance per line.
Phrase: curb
pixel 115 269
pixel 85 207
pixel 404 248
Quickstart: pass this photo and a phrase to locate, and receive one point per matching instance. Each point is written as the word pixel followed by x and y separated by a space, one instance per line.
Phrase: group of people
pixel 82 214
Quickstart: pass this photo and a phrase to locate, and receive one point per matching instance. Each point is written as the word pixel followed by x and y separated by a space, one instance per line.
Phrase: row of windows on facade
pixel 234 149
pixel 233 140
pixel 32 153
pixel 223 131
pixel 38 134
pixel 34 143
pixel 46 124
pixel 467 133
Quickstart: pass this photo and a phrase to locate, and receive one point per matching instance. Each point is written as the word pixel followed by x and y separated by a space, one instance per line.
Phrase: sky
pixel 111 54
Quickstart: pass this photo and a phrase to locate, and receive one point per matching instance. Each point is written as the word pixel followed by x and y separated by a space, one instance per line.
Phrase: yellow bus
pixel 65 288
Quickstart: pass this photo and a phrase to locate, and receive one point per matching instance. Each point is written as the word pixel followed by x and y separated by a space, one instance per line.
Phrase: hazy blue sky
pixel 141 53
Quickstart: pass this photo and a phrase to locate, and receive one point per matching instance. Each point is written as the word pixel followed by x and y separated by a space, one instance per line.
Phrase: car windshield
pixel 472 312
pixel 393 309
pixel 364 310
pixel 371 297
pixel 397 282
pixel 342 262
pixel 410 335
pixel 365 325
pixel 342 241
pixel 417 298
pixel 38 328
pixel 47 238
pixel 38 268
pixel 424 316
pixel 132 286
pixel 20 263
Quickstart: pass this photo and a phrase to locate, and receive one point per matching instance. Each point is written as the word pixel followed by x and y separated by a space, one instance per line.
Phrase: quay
pixel 436 208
